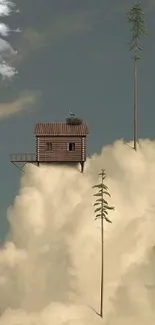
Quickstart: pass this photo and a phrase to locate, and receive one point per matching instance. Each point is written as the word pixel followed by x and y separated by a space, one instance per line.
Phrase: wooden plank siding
pixel 60 152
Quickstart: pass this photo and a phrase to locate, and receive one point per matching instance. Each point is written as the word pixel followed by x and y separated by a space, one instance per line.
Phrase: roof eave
pixel 60 135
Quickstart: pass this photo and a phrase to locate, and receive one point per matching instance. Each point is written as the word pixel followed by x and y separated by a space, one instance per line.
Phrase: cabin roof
pixel 61 129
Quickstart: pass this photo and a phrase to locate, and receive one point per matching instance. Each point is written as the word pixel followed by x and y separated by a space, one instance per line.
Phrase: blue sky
pixel 73 55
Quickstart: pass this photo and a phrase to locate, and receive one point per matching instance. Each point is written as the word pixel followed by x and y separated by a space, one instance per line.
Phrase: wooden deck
pixel 23 157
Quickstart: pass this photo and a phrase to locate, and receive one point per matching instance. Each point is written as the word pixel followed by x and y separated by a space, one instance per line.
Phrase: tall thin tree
pixel 102 213
pixel 136 19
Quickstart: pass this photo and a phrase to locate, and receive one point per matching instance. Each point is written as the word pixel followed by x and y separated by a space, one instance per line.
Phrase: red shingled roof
pixel 60 129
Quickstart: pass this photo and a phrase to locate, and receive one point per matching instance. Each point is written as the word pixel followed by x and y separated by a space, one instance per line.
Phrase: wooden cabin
pixel 60 142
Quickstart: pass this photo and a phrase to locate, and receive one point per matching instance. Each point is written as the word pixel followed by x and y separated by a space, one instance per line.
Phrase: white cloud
pixel 6 50
pixel 5 30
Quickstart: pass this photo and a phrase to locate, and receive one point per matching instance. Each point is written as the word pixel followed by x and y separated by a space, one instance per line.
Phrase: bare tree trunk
pixel 102 267
pixel 135 105
pixel 102 254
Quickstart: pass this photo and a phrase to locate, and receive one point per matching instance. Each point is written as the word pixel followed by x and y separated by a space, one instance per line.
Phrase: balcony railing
pixel 23 157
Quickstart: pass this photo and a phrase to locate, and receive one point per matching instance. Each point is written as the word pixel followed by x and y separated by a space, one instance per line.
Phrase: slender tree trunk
pixel 102 255
pixel 135 133
pixel 102 267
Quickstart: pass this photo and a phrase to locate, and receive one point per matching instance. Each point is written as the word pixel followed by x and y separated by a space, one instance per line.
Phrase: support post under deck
pixel 82 166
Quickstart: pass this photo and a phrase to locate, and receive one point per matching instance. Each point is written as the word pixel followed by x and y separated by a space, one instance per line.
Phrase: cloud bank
pixel 50 260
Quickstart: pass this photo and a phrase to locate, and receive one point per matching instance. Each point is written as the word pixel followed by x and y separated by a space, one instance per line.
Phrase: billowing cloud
pixel 24 102
pixel 50 260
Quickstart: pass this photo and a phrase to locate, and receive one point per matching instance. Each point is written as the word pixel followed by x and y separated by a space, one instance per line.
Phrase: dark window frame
pixel 49 146
pixel 71 146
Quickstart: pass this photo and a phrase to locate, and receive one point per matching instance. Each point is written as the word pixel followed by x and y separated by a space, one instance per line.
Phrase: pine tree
pixel 136 19
pixel 102 213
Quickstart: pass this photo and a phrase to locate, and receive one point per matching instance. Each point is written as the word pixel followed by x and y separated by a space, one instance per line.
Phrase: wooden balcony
pixel 23 157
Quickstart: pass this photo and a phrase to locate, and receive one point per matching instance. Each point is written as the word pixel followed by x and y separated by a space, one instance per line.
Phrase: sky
pixel 72 55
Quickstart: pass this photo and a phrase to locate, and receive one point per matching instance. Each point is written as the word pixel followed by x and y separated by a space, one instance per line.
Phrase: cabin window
pixel 71 146
pixel 49 146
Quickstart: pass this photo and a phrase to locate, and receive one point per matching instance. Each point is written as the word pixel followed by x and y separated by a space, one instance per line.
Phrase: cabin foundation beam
pixel 82 166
